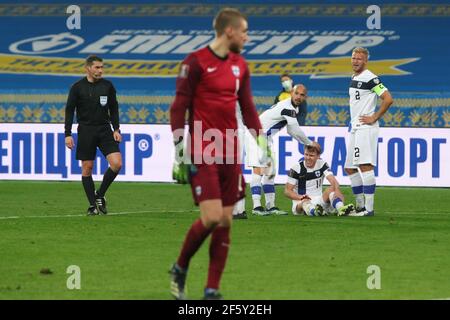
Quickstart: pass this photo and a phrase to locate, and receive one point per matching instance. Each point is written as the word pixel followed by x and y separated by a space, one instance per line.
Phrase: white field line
pixel 84 215
pixel 176 211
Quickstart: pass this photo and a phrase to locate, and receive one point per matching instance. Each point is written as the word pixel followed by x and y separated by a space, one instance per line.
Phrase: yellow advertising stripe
pixel 316 67
pixel 324 67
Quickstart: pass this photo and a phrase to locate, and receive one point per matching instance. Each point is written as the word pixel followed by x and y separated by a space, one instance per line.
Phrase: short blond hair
pixel 361 50
pixel 227 17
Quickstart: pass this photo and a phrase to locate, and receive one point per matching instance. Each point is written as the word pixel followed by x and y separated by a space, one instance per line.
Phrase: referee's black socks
pixel 108 178
pixel 89 188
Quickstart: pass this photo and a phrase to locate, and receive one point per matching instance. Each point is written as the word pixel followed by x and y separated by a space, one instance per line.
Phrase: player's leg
pixel 110 149
pixel 352 170
pixel 239 208
pixel 210 213
pixel 88 185
pixel 369 184
pixel 268 185
pixel 336 200
pixel 115 164
pixel 218 253
pixel 232 187
pixel 86 150
pixel 297 208
pixel 256 190
pixel 312 207
pixel 252 160
pixel 206 192
pixel 368 144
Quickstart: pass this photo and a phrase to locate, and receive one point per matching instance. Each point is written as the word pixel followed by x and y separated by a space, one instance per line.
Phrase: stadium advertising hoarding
pixel 407 156
pixel 144 44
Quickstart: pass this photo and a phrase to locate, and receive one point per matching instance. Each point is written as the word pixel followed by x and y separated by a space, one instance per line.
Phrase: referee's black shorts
pixel 91 137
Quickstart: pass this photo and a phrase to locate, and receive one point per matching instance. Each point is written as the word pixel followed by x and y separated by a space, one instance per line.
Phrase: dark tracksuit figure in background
pixel 95 102
pixel 285 93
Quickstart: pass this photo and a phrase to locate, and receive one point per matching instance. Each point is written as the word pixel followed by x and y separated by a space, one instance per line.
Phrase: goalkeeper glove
pixel 265 152
pixel 180 170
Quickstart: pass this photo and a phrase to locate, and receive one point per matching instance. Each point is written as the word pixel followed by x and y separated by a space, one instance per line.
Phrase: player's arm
pixel 289 189
pixel 249 114
pixel 251 119
pixel 293 128
pixel 334 184
pixel 114 113
pixel 69 113
pixel 291 194
pixel 386 102
pixel 188 78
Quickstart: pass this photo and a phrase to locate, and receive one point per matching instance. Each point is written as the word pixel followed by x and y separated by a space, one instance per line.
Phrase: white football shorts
pixel 362 147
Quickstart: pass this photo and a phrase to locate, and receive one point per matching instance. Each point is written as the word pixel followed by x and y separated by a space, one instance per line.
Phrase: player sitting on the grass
pixel 304 187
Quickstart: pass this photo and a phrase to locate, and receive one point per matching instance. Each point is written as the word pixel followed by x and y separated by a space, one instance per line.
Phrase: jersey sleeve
pixel 188 77
pixel 293 174
pixel 376 86
pixel 293 128
pixel 70 110
pixel 326 170
pixel 113 107
pixel 249 114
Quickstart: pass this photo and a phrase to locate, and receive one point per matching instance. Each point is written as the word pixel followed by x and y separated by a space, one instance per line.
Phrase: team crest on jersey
pixel 184 71
pixel 198 190
pixel 359 84
pixel 236 70
pixel 317 174
pixel 103 100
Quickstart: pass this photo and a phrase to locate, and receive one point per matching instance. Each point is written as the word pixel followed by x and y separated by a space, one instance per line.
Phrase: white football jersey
pixel 364 91
pixel 308 180
pixel 278 116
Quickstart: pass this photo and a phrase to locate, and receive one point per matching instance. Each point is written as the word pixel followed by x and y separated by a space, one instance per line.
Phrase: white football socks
pixel 269 191
pixel 256 189
pixel 357 188
pixel 368 179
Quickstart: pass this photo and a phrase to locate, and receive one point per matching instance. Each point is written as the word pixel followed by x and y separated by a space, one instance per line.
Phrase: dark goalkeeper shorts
pixel 218 181
pixel 92 137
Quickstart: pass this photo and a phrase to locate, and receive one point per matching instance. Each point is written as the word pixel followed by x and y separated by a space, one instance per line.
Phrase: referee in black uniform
pixel 95 102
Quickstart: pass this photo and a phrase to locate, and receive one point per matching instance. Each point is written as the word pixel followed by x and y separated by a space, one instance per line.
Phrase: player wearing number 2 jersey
pixel 365 88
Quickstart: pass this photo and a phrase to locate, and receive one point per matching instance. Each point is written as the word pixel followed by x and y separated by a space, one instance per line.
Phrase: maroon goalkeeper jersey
pixel 210 87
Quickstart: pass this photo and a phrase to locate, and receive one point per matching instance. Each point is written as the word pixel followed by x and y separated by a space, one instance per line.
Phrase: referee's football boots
pixel 101 203
pixel 92 211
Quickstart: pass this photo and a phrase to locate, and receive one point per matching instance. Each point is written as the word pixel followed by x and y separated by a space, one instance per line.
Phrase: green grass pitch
pixel 126 255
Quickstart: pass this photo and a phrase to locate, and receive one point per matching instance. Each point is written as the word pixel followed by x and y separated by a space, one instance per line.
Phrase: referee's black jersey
pixel 96 104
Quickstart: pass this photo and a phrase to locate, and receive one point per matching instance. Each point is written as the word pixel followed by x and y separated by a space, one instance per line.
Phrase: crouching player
pixel 304 187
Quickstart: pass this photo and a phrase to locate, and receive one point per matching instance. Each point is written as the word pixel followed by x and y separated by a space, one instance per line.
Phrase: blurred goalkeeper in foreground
pixel 210 83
